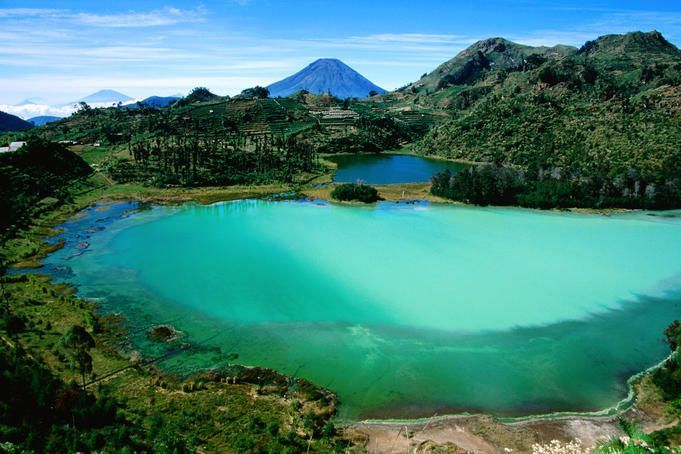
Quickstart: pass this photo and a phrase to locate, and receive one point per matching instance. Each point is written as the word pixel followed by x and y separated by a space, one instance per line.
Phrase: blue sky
pixel 59 51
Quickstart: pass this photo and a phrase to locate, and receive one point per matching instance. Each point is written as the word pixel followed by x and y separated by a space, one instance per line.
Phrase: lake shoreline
pixel 375 428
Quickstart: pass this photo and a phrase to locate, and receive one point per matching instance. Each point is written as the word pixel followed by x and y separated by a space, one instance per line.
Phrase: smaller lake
pixel 389 168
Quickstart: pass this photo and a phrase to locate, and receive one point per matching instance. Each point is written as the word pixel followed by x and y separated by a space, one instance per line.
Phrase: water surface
pixel 389 168
pixel 404 311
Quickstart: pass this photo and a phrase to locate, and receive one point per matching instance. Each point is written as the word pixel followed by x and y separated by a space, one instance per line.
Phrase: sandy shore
pixel 487 434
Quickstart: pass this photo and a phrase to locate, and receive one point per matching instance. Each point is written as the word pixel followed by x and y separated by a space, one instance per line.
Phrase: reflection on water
pixel 389 168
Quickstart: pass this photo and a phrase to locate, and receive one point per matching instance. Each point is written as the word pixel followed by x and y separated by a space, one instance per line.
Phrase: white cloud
pixel 36 110
pixel 28 12
pixel 130 19
pixel 166 16
pixel 611 21
pixel 421 38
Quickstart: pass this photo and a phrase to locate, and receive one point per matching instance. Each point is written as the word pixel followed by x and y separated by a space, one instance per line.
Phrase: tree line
pixel 495 184
pixel 212 159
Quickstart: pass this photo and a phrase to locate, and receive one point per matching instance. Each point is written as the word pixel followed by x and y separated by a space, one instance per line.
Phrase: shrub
pixel 355 191
pixel 668 377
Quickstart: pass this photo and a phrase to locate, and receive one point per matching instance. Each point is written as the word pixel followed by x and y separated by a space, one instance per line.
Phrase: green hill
pixel 494 54
pixel 36 177
pixel 10 122
pixel 631 43
pixel 604 108
pixel 604 120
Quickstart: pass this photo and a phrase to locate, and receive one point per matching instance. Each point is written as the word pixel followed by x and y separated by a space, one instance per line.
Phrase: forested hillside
pixel 34 177
pixel 603 120
pixel 612 105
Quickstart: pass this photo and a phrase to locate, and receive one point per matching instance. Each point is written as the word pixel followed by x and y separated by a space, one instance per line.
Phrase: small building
pixel 4 149
pixel 14 146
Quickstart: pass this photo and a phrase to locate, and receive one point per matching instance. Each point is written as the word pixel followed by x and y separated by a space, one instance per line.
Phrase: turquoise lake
pixel 402 310
pixel 383 168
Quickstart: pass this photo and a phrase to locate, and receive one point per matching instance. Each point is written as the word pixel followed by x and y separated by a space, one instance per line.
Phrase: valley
pixel 200 244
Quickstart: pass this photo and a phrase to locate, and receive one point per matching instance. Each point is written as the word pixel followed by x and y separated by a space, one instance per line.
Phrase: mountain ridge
pixel 106 96
pixel 9 122
pixel 502 54
pixel 42 120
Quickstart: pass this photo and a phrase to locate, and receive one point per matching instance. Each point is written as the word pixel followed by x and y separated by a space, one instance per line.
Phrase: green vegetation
pixel 78 342
pixel 668 377
pixel 201 160
pixel 634 441
pixel 255 92
pixel 36 177
pixel 40 413
pixel 198 94
pixel 500 185
pixel 355 191
pixel 605 117
pixel 484 185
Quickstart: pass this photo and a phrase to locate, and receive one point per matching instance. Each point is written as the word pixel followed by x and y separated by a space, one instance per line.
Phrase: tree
pixel 84 108
pixel 355 191
pixel 672 335
pixel 77 342
pixel 373 93
pixel 535 60
pixel 198 94
pixel 256 92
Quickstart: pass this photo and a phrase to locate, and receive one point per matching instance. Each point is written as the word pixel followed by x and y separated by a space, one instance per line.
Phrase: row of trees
pixel 205 159
pixel 494 184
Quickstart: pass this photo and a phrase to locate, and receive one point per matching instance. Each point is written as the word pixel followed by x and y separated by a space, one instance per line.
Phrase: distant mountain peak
pixel 326 75
pixel 327 61
pixel 29 102
pixel 106 96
